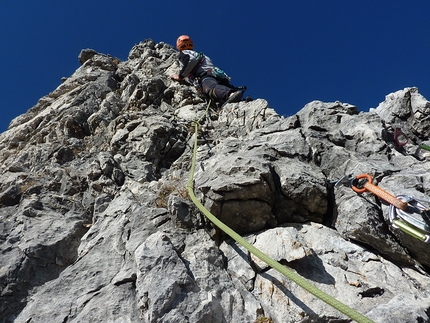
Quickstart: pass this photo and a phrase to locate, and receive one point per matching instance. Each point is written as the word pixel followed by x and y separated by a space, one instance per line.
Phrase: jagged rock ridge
pixel 97 226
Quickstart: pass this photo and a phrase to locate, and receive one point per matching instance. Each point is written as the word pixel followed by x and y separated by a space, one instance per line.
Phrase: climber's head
pixel 184 42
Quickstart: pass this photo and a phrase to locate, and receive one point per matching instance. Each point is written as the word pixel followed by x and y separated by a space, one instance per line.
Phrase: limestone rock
pixel 97 225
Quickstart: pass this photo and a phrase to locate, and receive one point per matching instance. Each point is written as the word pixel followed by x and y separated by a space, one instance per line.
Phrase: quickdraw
pixel 406 213
pixel 400 140
pixel 408 220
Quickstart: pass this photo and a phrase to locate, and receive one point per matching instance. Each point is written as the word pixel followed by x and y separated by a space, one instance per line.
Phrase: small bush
pixel 168 189
pixel 264 320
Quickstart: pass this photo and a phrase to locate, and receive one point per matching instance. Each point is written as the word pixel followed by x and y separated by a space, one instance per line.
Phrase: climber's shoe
pixel 234 97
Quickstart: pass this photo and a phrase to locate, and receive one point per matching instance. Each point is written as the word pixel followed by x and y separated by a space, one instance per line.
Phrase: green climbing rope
pixel 269 261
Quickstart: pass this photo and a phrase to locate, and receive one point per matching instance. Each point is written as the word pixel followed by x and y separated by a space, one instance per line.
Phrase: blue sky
pixel 287 52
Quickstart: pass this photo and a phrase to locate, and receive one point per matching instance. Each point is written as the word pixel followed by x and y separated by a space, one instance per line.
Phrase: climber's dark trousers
pixel 215 90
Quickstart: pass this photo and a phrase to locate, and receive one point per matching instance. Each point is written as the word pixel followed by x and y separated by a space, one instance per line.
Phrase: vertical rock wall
pixel 96 224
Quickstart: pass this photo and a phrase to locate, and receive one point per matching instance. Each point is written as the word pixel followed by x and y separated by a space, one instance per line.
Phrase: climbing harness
pixel 200 59
pixel 262 256
pixel 405 212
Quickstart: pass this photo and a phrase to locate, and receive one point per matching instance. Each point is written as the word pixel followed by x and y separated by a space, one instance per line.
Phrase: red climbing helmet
pixel 184 42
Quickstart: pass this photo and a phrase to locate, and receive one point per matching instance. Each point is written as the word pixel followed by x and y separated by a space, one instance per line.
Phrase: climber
pixel 199 70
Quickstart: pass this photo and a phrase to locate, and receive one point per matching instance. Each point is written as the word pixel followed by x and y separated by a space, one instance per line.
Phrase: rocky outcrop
pixel 97 225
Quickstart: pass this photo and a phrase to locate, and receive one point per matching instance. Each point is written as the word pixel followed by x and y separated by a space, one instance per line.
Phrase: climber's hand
pixel 176 77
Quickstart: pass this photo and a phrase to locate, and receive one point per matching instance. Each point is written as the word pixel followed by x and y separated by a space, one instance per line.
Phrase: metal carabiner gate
pixel 408 221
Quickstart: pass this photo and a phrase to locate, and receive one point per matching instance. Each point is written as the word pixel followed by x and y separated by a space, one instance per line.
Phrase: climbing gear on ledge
pixel 405 213
pixel 299 280
pixel 422 146
pixel 400 138
pixel 408 220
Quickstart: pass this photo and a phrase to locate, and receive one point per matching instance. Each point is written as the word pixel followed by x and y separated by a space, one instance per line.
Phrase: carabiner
pixel 410 230
pixel 407 220
pixel 400 138
pixel 403 211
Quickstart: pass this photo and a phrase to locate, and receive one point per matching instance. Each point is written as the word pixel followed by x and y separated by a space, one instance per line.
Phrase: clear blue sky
pixel 287 52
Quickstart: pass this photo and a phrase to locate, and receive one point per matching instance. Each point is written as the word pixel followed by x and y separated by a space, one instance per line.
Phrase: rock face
pixel 97 225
